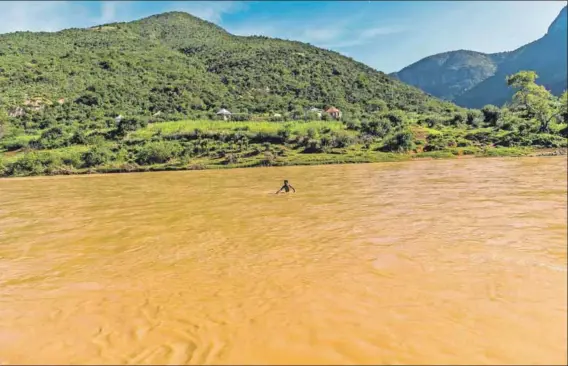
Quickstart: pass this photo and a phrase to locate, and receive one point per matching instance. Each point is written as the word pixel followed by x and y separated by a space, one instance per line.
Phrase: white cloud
pixel 343 34
pixel 27 15
pixel 379 31
pixel 108 12
pixel 212 11
pixel 52 16
pixel 322 34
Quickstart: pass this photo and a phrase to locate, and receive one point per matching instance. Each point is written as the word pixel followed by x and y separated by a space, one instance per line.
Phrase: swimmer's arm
pixel 280 190
pixel 294 189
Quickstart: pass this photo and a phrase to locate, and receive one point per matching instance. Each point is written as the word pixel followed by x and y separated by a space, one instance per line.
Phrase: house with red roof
pixel 334 112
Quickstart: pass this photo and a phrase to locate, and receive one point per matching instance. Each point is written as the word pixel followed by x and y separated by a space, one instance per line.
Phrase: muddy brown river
pixel 426 262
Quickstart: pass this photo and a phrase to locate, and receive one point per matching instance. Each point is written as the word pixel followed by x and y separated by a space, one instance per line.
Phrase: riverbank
pixel 198 145
pixel 296 159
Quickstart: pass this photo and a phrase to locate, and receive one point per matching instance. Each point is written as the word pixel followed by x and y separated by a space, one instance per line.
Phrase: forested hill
pixel 178 65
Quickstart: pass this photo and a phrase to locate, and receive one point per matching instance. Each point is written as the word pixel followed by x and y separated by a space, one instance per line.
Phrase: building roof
pixel 333 110
pixel 223 111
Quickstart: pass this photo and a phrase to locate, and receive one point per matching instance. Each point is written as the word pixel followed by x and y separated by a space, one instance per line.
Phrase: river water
pixel 427 262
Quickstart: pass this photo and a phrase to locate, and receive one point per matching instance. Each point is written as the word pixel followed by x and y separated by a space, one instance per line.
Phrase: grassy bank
pixel 187 145
pixel 285 158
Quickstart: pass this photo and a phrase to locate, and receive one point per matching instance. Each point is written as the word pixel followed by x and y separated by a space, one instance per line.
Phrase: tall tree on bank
pixel 534 100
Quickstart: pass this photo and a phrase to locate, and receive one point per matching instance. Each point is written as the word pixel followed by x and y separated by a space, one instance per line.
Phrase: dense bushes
pixel 130 124
pixel 400 142
pixel 540 140
pixel 97 155
pixel 491 115
pixel 158 152
pixel 54 137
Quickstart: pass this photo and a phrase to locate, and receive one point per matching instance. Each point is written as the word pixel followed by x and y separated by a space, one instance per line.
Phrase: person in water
pixel 286 187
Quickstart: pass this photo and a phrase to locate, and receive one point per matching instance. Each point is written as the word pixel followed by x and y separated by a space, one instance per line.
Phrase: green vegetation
pixel 61 95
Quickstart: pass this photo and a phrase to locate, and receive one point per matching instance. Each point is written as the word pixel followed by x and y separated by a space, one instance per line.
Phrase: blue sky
pixel 385 35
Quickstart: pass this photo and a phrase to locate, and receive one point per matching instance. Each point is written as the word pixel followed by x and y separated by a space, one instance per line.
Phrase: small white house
pixel 225 114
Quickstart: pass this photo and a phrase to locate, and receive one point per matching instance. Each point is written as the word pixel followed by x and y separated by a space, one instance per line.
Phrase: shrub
pixel 547 140
pixel 312 133
pixel 458 120
pixel 439 142
pixel 14 143
pixel 269 158
pixel 158 152
pixel 313 146
pixel 284 133
pixel 430 122
pixel 474 118
pixel 401 142
pixel 278 119
pixel 461 142
pixel 231 159
pixel 89 99
pixel 29 164
pixel 240 117
pixel 542 140
pixel 341 139
pixel 47 123
pixel 366 140
pixel 354 125
pixel 130 124
pixel 71 159
pixel 79 137
pixel 54 138
pixel 491 114
pixel 481 136
pixel 95 138
pixel 379 128
pixel 512 139
pixel 97 155
pixel 396 118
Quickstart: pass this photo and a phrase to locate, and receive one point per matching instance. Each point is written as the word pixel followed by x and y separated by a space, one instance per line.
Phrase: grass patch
pixel 506 151
pixel 169 128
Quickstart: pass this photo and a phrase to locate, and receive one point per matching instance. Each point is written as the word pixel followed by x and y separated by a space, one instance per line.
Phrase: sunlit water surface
pixel 428 262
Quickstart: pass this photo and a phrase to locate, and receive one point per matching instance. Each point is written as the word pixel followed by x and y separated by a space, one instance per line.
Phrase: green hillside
pixel 176 63
pixel 60 94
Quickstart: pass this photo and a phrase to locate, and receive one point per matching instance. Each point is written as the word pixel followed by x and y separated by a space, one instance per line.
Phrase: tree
pixel 3 123
pixel 126 125
pixel 533 99
pixel 564 107
pixel 491 114
pixel 401 142
pixel 97 155
pixel 375 105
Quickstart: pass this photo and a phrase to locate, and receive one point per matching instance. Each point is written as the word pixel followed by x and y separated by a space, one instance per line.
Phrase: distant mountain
pixel 447 75
pixel 473 79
